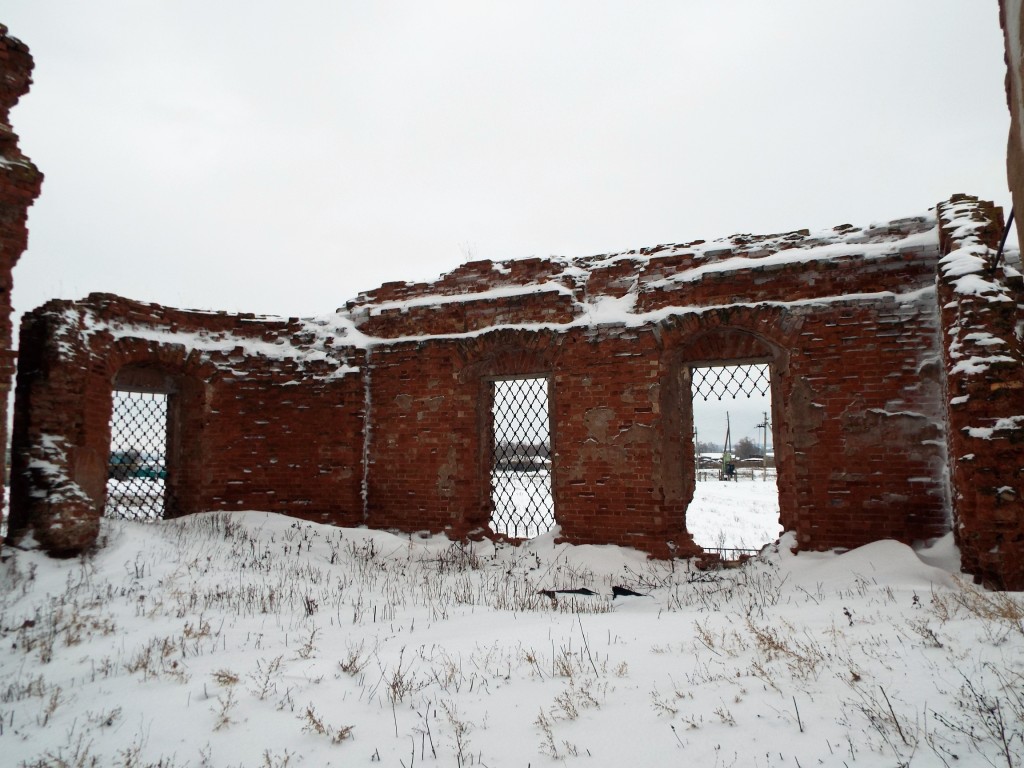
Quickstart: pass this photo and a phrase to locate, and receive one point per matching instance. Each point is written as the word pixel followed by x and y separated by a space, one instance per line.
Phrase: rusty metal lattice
pixel 731 381
pixel 522 503
pixel 137 467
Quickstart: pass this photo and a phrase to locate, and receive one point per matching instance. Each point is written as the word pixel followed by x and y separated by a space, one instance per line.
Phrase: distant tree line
pixel 744 448
pixel 510 456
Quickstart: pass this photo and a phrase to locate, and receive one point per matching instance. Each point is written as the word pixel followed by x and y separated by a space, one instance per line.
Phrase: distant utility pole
pixel 696 455
pixel 763 426
pixel 727 458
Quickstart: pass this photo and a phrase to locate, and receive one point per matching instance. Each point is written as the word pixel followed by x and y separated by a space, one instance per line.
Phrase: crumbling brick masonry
pixel 894 351
pixel 20 182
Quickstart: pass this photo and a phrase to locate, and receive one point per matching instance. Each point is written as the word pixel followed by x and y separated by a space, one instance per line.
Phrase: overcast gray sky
pixel 279 157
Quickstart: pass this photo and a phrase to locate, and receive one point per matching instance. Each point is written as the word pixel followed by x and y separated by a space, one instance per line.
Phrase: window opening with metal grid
pixel 521 501
pixel 731 381
pixel 731 443
pixel 137 467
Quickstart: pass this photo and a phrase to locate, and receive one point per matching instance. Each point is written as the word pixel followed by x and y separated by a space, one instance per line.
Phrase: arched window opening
pixel 735 507
pixel 137 468
pixel 522 504
pixel 141 468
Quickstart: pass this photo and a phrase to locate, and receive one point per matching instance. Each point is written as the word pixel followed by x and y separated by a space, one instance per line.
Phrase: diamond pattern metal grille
pixel 730 381
pixel 522 505
pixel 137 468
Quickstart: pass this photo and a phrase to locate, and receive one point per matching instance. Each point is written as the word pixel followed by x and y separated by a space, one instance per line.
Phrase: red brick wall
pixel 20 182
pixel 423 440
pixel 394 431
pixel 981 312
pixel 267 419
pixel 853 346
pixel 857 423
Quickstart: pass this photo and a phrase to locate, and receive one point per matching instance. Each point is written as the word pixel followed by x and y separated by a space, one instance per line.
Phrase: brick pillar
pixel 980 305
pixel 20 181
pixel 57 475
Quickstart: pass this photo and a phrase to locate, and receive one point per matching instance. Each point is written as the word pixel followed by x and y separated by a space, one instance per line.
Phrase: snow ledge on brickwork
pixel 976 283
pixel 733 254
pixel 321 347
pixel 315 358
pixel 1007 424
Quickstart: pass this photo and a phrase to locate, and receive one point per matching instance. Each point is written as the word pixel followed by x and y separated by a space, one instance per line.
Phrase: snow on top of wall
pixel 688 261
pixel 968 270
pixel 968 264
pixel 611 311
pixel 327 341
pixel 507 291
pixel 648 266
pixel 642 270
pixel 844 240
pixel 228 344
pixel 746 251
pixel 17 160
pixel 316 347
pixel 800 255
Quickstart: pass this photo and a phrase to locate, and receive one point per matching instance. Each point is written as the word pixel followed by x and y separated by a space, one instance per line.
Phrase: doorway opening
pixel 735 507
pixel 137 466
pixel 522 504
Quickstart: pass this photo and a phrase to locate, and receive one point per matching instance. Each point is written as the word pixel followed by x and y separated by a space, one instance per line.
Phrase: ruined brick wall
pixel 852 338
pixel 614 480
pixel 20 182
pixel 381 413
pixel 270 414
pixel 982 307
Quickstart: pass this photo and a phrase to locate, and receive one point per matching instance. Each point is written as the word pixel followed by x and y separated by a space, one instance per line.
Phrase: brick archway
pixel 732 347
pixel 136 365
pixel 733 336
pixel 504 354
pixel 508 352
pixel 185 411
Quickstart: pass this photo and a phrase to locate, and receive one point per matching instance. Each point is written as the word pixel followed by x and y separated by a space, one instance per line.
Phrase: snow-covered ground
pixel 734 515
pixel 258 640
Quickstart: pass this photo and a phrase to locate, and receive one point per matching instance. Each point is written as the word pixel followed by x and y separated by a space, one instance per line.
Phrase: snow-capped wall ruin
pixel 265 413
pixel 983 325
pixel 20 182
pixel 879 341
